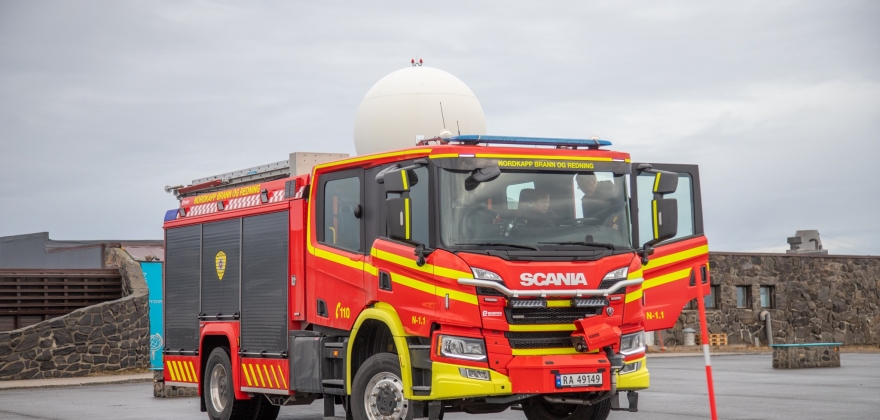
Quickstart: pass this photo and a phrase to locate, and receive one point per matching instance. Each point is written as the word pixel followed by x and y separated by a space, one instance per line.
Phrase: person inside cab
pixel 599 198
pixel 534 207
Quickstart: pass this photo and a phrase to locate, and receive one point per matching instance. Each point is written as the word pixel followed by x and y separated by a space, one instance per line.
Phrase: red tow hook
pixel 593 334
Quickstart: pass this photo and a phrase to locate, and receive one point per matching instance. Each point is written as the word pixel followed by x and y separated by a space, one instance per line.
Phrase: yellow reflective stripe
pixel 246 376
pixel 277 382
pixel 367 158
pixel 656 181
pixel 558 303
pixel 339 259
pixel 438 291
pixel 268 378
pixel 679 256
pixel 182 366
pixel 192 371
pixel 408 222
pixel 634 296
pixel 656 218
pixel 635 274
pixel 666 278
pixel 459 296
pixel 547 327
pixel 281 375
pixel 405 181
pixel 546 157
pixel 544 352
pixel 251 367
pixel 427 268
pixel 170 370
pixel 177 371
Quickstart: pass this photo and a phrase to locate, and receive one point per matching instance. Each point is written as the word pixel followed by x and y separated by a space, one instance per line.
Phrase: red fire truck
pixel 468 274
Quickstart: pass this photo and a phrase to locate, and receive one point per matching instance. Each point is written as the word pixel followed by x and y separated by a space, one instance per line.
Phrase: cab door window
pixel 340 211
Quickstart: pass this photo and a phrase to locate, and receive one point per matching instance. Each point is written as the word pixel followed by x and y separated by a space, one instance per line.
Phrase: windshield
pixel 534 210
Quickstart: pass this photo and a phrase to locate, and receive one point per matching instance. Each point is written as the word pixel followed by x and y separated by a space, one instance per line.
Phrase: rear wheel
pixel 541 409
pixel 218 390
pixel 377 392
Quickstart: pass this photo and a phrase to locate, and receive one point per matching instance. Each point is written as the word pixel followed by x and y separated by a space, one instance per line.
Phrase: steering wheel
pixel 581 221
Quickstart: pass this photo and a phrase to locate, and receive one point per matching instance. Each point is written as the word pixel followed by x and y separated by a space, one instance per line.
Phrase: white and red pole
pixel 704 330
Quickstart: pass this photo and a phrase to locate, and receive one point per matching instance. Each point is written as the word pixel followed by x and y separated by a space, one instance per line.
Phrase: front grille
pixel 608 283
pixel 539 340
pixel 519 316
pixel 488 291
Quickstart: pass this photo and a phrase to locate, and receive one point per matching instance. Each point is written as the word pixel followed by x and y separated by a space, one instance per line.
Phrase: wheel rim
pixel 218 389
pixel 383 398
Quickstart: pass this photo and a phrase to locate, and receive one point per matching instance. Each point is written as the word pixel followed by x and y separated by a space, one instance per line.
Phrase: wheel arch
pixel 221 334
pixel 376 322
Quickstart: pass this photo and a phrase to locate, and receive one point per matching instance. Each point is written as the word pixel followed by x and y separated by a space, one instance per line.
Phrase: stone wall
pixel 111 336
pixel 817 299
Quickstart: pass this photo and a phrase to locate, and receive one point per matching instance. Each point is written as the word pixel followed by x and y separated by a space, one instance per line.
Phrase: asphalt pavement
pixel 746 388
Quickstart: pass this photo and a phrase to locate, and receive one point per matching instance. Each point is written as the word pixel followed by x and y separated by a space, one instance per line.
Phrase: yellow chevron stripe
pixel 192 370
pixel 666 278
pixel 171 370
pixel 545 327
pixel 181 367
pixel 281 375
pixel 246 376
pixel 268 378
pixel 253 375
pixel 180 376
pixel 263 383
pixel 274 376
pixel 678 256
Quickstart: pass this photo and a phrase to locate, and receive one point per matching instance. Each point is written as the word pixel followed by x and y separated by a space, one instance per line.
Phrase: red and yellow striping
pixel 179 370
pixel 260 373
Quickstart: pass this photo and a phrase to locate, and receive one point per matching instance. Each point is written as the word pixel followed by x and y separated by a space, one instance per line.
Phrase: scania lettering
pixel 447 277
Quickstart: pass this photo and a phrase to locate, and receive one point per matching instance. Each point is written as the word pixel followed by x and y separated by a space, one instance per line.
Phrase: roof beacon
pixel 592 143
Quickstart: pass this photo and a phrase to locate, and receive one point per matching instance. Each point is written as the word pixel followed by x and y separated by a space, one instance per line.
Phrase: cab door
pixel 677 264
pixel 335 289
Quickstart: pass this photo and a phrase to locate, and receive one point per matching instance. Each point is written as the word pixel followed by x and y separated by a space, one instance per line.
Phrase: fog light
pixel 482 375
pixel 630 368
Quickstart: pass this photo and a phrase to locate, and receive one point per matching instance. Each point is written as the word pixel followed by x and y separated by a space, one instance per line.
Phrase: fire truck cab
pixel 469 274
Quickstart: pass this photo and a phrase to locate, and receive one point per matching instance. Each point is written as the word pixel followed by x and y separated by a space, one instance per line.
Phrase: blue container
pixel 153 275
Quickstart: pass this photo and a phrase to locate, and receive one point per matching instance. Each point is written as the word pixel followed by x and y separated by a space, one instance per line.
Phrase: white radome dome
pixel 405 106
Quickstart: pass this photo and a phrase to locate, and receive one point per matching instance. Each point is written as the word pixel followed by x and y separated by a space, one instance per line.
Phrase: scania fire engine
pixel 467 274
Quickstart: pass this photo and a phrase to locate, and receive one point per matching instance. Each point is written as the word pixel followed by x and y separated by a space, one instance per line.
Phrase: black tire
pixel 540 409
pixel 265 410
pixel 218 391
pixel 381 373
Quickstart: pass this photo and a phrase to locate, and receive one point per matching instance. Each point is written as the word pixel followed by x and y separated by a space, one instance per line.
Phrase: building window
pixel 768 297
pixel 710 300
pixel 744 297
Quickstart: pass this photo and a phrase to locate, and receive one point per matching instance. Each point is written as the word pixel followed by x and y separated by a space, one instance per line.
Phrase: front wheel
pixel 218 390
pixel 377 392
pixel 541 409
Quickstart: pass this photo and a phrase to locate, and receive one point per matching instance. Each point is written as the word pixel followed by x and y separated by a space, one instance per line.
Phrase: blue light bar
pixel 536 141
pixel 171 215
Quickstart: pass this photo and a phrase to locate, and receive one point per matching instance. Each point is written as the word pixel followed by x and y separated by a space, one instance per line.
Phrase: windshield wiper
pixel 581 243
pixel 533 248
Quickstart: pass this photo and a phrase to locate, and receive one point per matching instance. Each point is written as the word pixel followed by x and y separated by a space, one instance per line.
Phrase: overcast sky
pixel 102 104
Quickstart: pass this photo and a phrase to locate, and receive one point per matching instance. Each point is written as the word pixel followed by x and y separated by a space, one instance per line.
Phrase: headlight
pixel 481 274
pixel 618 274
pixel 462 348
pixel 632 343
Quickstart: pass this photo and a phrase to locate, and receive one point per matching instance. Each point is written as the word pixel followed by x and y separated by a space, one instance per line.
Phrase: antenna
pixel 458 126
pixel 441 116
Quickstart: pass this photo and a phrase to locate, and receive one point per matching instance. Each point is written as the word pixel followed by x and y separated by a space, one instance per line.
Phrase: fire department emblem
pixel 220 264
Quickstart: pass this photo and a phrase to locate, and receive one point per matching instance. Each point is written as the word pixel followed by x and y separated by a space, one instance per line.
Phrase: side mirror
pixel 481 175
pixel 665 182
pixel 396 181
pixel 398 219
pixel 664 217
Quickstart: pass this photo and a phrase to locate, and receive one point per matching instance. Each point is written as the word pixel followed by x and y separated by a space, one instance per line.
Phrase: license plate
pixel 571 380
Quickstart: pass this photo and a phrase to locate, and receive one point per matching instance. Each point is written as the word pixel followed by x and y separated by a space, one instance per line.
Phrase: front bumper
pixel 637 380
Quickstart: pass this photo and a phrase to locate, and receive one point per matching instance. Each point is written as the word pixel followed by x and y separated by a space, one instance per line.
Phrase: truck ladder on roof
pixel 256 174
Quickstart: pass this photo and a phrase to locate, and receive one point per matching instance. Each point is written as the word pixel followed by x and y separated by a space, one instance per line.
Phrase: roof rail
pixel 593 143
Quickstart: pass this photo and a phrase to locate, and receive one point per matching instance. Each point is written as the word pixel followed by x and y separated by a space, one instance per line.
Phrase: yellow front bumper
pixel 447 383
pixel 634 381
